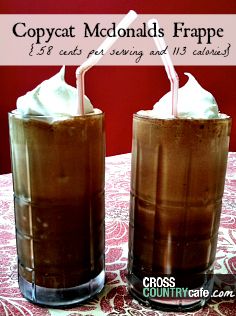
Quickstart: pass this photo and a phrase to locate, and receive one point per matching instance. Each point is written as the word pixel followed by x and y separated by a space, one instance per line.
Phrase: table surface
pixel 114 299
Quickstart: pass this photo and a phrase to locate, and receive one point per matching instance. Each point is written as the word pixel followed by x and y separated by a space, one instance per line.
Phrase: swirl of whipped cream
pixel 53 97
pixel 193 102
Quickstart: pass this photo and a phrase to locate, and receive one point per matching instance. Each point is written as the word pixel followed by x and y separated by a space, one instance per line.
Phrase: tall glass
pixel 58 178
pixel 177 184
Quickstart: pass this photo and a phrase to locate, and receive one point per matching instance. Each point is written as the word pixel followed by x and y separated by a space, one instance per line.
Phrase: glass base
pixel 169 304
pixel 61 297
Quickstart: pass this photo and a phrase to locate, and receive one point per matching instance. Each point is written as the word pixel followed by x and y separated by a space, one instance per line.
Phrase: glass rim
pixel 223 117
pixel 19 114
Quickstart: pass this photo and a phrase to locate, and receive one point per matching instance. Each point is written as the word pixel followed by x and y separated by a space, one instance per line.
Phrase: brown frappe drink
pixel 177 184
pixel 176 197
pixel 58 176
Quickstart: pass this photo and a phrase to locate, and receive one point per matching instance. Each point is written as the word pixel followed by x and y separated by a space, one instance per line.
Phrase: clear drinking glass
pixel 177 184
pixel 58 178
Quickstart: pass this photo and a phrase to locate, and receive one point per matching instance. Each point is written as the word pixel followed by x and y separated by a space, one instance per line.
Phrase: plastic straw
pixel 171 73
pixel 94 59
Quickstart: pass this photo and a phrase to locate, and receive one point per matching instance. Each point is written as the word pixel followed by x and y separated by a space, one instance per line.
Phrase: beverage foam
pixel 193 102
pixel 53 97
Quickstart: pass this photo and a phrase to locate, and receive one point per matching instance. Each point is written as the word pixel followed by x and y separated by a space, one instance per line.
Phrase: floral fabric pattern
pixel 114 299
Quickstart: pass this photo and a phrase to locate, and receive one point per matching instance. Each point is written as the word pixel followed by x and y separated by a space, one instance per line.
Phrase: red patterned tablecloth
pixel 114 299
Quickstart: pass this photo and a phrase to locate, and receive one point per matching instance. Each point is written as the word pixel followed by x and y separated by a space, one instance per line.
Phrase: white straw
pixel 94 59
pixel 171 73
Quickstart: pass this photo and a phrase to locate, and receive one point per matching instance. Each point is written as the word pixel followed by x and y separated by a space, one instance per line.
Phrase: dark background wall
pixel 118 91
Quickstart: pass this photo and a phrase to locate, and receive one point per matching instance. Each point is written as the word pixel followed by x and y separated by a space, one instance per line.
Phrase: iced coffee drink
pixel 177 184
pixel 58 177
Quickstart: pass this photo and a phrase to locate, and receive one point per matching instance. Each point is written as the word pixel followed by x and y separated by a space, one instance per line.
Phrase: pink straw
pixel 80 91
pixel 94 59
pixel 171 73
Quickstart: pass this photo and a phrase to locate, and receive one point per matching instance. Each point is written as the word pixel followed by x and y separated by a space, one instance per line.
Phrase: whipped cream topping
pixel 193 102
pixel 53 97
